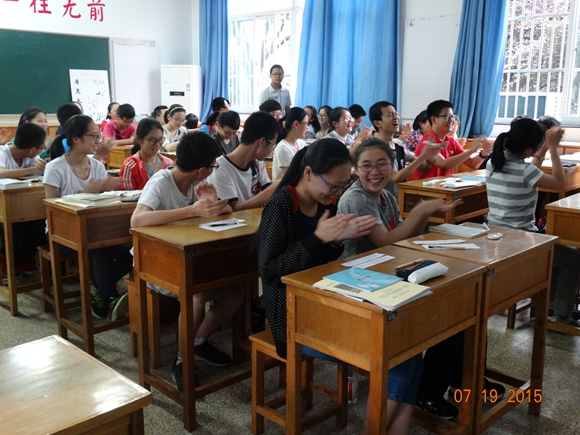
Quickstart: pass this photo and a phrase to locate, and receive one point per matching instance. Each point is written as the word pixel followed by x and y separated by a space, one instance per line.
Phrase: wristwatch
pixel 481 154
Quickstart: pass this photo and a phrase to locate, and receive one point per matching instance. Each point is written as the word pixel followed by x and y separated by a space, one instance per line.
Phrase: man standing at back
pixel 275 91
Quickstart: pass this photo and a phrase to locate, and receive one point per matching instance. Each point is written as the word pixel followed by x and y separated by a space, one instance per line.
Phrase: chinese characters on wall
pixel 93 9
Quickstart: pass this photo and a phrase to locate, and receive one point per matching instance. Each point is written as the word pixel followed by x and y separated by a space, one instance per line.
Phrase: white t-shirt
pixel 283 155
pixel 237 184
pixel 281 95
pixel 161 192
pixel 58 173
pixel 8 162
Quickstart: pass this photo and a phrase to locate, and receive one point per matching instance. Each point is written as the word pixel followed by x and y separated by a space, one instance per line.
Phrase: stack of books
pixel 387 291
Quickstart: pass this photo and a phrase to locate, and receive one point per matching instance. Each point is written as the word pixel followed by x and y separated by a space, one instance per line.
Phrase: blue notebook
pixel 363 279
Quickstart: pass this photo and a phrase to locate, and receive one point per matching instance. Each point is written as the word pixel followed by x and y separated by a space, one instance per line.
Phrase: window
pixel 537 79
pixel 259 37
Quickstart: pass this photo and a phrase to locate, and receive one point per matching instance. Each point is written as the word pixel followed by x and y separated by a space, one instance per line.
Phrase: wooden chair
pixel 46 280
pixel 264 349
pixel 515 310
pixel 163 312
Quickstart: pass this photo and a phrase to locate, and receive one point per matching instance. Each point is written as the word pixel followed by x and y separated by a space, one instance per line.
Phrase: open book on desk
pixel 389 298
pixel 89 199
pixel 458 230
pixel 12 183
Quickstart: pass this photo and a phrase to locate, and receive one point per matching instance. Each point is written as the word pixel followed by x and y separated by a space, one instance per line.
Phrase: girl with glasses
pixel 174 126
pixel 323 113
pixel 300 228
pixel 146 160
pixel 367 196
pixel 313 124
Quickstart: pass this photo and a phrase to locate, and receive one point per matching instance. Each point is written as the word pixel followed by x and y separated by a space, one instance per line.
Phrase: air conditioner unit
pixel 181 84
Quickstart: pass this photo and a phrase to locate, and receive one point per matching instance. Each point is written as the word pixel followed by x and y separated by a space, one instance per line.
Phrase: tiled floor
pixel 228 411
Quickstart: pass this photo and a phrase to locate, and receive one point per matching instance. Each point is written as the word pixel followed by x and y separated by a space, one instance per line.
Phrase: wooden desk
pixel 518 266
pixel 18 205
pixel 83 229
pixel 572 179
pixel 185 259
pixel 474 198
pixel 50 386
pixel 169 154
pixel 366 336
pixel 118 155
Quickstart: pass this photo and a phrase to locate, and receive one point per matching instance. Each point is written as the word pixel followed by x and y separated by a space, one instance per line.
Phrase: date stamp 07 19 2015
pixel 491 396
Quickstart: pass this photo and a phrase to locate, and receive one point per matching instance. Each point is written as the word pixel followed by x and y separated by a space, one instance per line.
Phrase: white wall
pixel 168 23
pixel 430 30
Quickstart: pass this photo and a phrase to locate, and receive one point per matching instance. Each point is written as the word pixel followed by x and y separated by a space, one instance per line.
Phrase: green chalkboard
pixel 34 67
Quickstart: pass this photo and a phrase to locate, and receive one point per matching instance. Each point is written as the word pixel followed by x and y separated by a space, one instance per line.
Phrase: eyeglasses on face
pixel 277 74
pixel 96 137
pixel 215 166
pixel 347 119
pixel 383 166
pixel 448 117
pixel 180 121
pixel 152 141
pixel 271 141
pixel 333 190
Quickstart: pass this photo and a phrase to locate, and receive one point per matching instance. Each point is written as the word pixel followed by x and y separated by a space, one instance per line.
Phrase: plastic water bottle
pixel 352 388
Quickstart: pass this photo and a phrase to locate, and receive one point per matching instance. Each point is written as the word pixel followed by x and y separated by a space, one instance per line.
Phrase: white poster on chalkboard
pixel 91 89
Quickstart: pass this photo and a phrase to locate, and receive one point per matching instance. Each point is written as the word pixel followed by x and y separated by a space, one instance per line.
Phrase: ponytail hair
pixel 76 126
pixel 322 156
pixel 294 114
pixel 143 129
pixel 334 116
pixel 524 133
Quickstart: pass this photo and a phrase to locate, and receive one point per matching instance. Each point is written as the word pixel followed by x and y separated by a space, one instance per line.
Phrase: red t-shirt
pixel 452 150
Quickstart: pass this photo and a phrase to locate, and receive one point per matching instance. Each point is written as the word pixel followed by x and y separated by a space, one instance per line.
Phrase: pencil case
pixel 422 272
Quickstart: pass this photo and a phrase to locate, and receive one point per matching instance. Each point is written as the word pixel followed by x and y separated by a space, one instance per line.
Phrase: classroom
pixel 250 247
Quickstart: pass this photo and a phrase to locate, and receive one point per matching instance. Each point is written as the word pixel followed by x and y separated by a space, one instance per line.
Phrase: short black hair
pixel 219 103
pixel 157 111
pixel 356 111
pixel 259 125
pixel 376 111
pixel 126 111
pixel 435 108
pixel 29 135
pixel 420 119
pixel 276 66
pixel 270 106
pixel 229 119
pixel 67 111
pixel 191 121
pixel 196 150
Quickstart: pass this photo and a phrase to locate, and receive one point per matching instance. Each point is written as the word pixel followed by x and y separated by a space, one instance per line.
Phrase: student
pixel 241 177
pixel 121 130
pixel 441 117
pixel 191 121
pixel 180 193
pixel 63 114
pixel 374 162
pixel 158 113
pixel 220 104
pixel 323 119
pixel 273 108
pixel 512 189
pixel 209 126
pixel 174 129
pixel 111 114
pixel 300 228
pixel 68 112
pixel 228 124
pixel 421 127
pixel 340 124
pixel 295 127
pixel 76 172
pixel 146 160
pixel 275 91
pixel 462 141
pixel 37 116
pixel 385 120
pixel 358 114
pixel 313 124
pixel 19 160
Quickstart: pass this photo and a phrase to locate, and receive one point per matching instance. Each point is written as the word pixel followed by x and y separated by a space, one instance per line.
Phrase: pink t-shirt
pixel 452 150
pixel 111 130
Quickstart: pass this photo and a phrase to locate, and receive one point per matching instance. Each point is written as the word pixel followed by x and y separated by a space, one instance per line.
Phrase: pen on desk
pixel 410 263
pixel 485 226
pixel 223 225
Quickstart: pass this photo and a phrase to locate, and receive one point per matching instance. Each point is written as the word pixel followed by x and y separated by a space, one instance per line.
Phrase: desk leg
pixel 143 333
pixel 137 425
pixel 470 408
pixel 10 266
pixel 293 369
pixel 87 312
pixel 59 308
pixel 538 351
pixel 379 375
pixel 186 340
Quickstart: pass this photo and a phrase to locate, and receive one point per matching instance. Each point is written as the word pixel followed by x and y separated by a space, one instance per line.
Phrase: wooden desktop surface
pixel 51 386
pixel 519 267
pixel 572 179
pixel 18 205
pixel 563 220
pixel 117 156
pixel 363 335
pixel 185 259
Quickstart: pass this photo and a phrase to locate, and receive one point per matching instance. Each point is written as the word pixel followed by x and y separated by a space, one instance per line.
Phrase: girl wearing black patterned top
pixel 300 229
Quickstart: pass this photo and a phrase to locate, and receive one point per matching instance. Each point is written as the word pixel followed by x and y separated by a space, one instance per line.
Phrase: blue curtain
pixel 349 53
pixel 213 31
pixel 478 66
